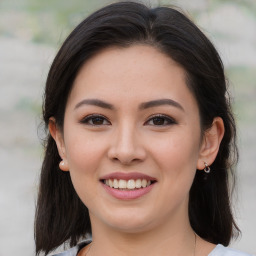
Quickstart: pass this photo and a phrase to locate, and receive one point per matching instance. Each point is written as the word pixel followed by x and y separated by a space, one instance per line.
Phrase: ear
pixel 58 137
pixel 211 143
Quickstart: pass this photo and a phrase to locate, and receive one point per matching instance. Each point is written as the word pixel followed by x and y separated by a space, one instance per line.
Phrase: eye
pixel 160 120
pixel 95 120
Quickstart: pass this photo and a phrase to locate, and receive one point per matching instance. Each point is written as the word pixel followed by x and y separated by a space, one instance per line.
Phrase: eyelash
pixel 169 120
pixel 166 119
pixel 92 117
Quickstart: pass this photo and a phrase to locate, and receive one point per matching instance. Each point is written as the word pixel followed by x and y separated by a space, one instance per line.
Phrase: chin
pixel 129 223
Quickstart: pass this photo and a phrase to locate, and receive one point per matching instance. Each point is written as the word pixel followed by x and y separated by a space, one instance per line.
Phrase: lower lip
pixel 128 194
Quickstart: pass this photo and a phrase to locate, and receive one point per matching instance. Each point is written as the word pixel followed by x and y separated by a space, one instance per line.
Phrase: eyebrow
pixel 142 106
pixel 94 102
pixel 160 102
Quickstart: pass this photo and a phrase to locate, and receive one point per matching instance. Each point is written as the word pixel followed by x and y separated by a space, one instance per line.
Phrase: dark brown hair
pixel 60 214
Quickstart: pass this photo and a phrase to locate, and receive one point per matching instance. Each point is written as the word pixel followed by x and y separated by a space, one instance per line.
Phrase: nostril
pixel 126 153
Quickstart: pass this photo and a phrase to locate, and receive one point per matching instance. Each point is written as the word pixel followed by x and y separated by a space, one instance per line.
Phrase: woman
pixel 142 139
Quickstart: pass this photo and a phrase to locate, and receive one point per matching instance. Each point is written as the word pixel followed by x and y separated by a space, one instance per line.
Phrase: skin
pixel 128 139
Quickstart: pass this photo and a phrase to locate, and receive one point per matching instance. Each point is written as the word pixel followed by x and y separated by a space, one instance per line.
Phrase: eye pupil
pixel 97 120
pixel 158 121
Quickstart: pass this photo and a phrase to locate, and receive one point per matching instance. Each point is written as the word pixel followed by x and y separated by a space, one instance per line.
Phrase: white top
pixel 219 250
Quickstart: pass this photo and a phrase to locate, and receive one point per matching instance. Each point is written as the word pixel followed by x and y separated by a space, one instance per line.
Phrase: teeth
pixel 115 183
pixel 144 183
pixel 138 183
pixel 122 184
pixel 129 184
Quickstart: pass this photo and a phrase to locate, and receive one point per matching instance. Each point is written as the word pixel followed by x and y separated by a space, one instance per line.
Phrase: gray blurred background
pixel 31 31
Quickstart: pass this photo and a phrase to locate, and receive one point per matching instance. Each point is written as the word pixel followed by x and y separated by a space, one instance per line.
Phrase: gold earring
pixel 207 168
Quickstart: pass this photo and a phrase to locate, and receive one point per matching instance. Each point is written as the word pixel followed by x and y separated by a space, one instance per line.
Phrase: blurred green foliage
pixel 47 21
pixel 243 81
pixel 50 21
pixel 26 104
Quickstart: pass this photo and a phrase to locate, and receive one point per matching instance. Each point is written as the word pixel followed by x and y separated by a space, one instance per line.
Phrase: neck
pixel 177 238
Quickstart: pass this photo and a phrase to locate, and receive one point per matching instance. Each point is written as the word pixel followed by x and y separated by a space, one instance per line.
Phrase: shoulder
pixel 220 250
pixel 74 250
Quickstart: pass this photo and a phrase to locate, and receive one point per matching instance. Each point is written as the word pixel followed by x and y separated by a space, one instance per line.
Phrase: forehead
pixel 136 72
pixel 133 61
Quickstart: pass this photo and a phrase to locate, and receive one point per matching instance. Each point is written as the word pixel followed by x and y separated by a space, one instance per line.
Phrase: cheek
pixel 84 157
pixel 177 159
pixel 83 152
pixel 177 154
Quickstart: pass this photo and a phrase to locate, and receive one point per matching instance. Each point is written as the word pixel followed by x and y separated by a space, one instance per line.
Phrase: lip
pixel 127 176
pixel 127 194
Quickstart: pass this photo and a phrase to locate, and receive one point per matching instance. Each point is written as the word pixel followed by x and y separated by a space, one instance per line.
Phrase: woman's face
pixel 131 122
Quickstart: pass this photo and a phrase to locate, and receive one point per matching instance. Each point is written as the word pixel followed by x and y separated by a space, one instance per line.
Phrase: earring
pixel 63 165
pixel 207 168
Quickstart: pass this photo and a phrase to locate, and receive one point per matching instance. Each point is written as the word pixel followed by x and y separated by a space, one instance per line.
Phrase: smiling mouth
pixel 131 184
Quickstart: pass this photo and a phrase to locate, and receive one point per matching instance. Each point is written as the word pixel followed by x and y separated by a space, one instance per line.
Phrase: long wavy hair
pixel 60 214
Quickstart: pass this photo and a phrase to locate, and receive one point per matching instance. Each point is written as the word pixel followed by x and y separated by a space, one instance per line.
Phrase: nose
pixel 126 146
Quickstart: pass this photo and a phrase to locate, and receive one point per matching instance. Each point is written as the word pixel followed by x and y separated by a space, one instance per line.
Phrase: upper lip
pixel 127 176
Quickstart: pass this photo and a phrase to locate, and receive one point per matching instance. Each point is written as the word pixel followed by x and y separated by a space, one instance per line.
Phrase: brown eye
pixel 160 120
pixel 95 120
